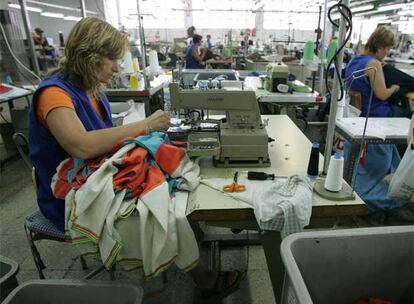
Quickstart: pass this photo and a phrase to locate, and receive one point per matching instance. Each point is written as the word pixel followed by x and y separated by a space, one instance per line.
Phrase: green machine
pixel 277 77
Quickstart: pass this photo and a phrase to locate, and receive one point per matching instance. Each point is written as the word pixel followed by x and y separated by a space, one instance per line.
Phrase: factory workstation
pixel 194 151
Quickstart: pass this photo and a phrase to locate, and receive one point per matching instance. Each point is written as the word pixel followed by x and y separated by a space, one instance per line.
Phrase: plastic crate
pixel 8 280
pixel 343 266
pixel 70 292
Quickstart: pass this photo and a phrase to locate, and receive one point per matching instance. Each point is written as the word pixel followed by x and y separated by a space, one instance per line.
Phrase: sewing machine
pixel 276 78
pixel 241 140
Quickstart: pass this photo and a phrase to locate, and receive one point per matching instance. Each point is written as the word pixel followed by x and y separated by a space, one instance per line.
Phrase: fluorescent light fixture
pixel 390 7
pixel 362 8
pixel 53 15
pixel 29 8
pixel 12 5
pixel 404 12
pixel 384 21
pixel 72 18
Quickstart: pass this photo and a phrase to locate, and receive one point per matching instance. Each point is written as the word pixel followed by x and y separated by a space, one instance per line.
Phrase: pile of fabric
pixel 123 207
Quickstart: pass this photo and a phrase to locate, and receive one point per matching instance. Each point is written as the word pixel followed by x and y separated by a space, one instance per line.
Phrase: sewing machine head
pixel 277 77
pixel 240 140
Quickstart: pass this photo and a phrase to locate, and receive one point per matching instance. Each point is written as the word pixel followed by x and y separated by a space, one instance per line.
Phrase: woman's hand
pixel 395 88
pixel 158 120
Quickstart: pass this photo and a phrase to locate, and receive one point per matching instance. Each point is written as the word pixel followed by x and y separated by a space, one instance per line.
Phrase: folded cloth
pixel 122 207
pixel 283 205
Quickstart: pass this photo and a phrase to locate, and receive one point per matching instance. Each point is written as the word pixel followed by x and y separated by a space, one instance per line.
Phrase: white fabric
pixel 284 204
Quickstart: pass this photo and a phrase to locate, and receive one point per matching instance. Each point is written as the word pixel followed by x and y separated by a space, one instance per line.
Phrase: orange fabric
pixel 54 97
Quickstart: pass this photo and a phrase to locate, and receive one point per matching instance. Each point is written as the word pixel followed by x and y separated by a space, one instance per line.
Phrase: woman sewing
pixel 380 159
pixel 70 117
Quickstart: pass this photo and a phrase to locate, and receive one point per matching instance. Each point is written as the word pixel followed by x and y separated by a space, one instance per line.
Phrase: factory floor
pixel 17 199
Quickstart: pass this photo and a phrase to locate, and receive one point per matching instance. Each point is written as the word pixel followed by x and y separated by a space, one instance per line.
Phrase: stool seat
pixel 37 223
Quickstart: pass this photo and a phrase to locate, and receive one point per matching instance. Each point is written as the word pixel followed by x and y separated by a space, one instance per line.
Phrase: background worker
pixel 380 160
pixel 191 31
pixel 40 39
pixel 195 54
pixel 208 44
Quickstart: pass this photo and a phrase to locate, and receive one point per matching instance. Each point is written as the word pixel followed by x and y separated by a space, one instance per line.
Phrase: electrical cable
pixel 355 75
pixel 14 56
pixel 345 12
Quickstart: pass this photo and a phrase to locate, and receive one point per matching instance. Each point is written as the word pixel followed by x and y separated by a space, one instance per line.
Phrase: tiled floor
pixel 17 199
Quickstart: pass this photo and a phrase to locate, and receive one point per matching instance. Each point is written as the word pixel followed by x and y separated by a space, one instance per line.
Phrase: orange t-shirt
pixel 54 97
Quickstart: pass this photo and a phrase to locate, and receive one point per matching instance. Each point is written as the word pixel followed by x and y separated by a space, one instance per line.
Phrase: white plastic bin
pixel 74 292
pixel 343 266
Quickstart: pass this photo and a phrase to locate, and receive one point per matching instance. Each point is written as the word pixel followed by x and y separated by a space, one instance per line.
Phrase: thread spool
pixel 313 166
pixel 308 51
pixel 153 62
pixel 333 181
pixel 127 65
pixel 135 64
pixel 133 80
pixel 331 50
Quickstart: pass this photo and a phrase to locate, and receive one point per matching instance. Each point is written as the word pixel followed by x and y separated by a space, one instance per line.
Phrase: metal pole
pixel 143 50
pixel 318 33
pixel 322 66
pixel 105 10
pixel 118 12
pixel 26 22
pixel 335 93
pixel 83 8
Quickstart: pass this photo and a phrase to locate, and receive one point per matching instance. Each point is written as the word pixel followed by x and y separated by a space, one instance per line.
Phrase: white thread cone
pixel 333 181
pixel 127 67
pixel 153 61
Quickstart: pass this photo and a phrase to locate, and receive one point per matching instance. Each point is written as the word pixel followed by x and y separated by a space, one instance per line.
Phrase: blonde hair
pixel 88 41
pixel 380 38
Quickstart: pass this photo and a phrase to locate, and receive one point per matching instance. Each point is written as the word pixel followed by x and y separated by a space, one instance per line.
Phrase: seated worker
pixel 40 39
pixel 377 47
pixel 208 44
pixel 70 117
pixel 380 160
pixel 195 54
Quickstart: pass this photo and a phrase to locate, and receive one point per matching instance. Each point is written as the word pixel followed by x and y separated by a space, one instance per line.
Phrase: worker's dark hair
pixel 190 31
pixel 197 38
pixel 380 38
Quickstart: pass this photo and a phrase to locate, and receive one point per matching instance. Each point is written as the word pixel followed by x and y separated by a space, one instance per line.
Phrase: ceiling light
pixel 362 8
pixel 12 5
pixel 390 7
pixel 53 15
pixel 404 12
pixel 29 8
pixel 72 18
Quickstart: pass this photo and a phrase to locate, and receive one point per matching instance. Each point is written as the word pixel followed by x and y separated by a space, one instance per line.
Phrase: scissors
pixel 234 186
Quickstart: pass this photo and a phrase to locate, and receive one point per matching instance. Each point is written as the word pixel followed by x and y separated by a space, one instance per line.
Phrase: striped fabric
pixel 123 206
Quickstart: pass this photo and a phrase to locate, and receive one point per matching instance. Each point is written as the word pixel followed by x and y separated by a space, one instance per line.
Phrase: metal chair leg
pixel 112 272
pixel 35 253
pixel 94 272
pixel 83 262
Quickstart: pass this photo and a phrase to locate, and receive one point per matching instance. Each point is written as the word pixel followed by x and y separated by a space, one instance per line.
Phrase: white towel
pixel 283 205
